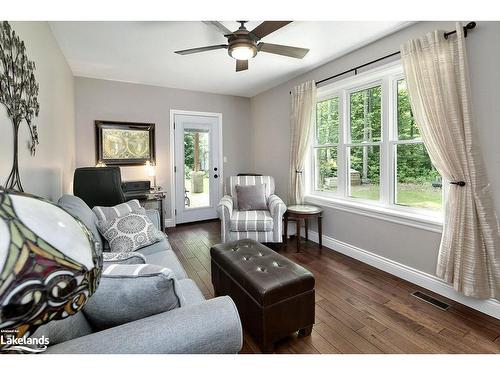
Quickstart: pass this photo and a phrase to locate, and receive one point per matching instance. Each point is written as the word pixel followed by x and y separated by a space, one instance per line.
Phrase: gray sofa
pixel 197 326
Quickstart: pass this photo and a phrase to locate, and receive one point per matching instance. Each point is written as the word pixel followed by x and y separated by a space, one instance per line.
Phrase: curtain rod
pixel 467 27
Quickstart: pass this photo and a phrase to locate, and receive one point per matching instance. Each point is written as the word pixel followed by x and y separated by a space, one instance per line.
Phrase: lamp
pixel 49 266
pixel 151 172
pixel 242 51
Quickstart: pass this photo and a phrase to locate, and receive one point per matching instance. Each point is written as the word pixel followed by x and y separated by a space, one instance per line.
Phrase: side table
pixel 155 197
pixel 304 212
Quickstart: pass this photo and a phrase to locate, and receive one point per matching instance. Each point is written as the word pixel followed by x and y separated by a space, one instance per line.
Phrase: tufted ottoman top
pixel 264 274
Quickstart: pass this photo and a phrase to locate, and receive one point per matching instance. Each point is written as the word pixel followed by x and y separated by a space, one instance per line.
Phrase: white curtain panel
pixel 438 83
pixel 303 99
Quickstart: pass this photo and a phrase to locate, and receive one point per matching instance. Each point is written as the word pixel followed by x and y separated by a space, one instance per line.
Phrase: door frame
pixel 171 222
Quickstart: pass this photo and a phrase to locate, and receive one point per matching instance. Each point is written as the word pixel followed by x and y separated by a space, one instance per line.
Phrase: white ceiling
pixel 143 52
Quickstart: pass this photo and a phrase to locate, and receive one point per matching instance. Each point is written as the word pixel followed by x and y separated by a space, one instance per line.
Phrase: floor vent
pixel 433 301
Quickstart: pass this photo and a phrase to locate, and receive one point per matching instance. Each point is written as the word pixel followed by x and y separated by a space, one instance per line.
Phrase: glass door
pixel 197 171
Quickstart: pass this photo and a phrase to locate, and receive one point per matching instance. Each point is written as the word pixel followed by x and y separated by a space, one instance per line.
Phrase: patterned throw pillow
pixel 130 232
pixel 109 213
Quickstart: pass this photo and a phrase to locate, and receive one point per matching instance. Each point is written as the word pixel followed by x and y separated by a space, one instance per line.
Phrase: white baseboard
pixel 490 306
pixel 169 223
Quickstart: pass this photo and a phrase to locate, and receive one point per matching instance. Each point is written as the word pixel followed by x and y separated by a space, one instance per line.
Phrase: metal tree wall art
pixel 18 92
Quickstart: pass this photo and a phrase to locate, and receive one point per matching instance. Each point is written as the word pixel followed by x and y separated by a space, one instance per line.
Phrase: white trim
pixel 359 80
pixel 172 165
pixel 420 278
pixel 398 216
pixel 169 223
pixel 174 112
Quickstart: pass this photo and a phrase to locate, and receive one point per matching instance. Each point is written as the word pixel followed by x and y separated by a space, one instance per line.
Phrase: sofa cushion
pixel 167 259
pixel 132 257
pixel 159 246
pixel 108 213
pixel 78 208
pixel 131 292
pixel 130 232
pixel 189 293
pixel 251 197
pixel 244 221
pixel 58 331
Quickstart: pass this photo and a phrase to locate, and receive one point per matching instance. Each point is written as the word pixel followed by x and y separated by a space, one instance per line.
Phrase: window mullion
pixel 341 150
pixel 385 153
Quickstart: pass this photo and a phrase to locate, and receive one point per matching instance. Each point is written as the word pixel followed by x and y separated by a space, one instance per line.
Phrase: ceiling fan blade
pixel 200 49
pixel 219 27
pixel 241 65
pixel 268 27
pixel 279 49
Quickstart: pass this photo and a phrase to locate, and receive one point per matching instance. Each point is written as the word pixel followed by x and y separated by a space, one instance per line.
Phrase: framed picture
pixel 124 143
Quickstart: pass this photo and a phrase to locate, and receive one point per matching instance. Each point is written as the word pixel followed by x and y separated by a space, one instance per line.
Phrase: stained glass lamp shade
pixel 49 263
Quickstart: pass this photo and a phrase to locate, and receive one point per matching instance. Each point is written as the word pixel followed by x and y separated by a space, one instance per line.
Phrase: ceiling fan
pixel 244 45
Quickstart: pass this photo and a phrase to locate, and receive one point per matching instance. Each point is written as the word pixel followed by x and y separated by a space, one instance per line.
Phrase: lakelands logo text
pixel 9 342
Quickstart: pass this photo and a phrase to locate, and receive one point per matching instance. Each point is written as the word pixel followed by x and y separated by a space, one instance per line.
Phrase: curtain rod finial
pixel 470 25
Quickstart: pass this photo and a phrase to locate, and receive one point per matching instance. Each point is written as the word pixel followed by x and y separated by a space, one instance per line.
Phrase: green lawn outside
pixel 411 195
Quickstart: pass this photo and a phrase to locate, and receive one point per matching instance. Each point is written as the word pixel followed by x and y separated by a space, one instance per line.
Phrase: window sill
pixel 402 217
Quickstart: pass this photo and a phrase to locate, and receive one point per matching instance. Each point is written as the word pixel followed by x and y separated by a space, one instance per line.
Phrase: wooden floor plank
pixel 359 309
pixel 379 340
pixel 416 316
pixel 321 345
pixel 347 333
pixel 364 318
pixel 469 343
pixel 336 340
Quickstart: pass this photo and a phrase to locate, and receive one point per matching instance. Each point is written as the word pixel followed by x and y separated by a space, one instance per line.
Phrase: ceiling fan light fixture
pixel 242 51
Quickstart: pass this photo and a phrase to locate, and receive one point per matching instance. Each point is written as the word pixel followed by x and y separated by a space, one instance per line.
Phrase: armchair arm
pixel 225 210
pixel 277 208
pixel 210 327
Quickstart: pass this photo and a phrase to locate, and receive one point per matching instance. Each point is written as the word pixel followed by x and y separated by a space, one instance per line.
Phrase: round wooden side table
pixel 304 212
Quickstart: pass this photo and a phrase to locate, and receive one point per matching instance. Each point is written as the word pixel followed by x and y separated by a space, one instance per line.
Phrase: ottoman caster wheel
pixel 305 331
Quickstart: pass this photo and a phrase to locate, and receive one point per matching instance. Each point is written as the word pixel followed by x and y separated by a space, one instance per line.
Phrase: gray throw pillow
pixel 251 197
pixel 130 292
pixel 130 232
pixel 124 258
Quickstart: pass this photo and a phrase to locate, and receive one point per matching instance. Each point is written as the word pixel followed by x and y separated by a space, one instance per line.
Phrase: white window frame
pixel 385 208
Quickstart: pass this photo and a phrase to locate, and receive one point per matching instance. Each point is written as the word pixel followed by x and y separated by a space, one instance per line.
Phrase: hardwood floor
pixel 359 309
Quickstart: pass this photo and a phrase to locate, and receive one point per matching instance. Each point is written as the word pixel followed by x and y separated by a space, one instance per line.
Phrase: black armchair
pixel 98 186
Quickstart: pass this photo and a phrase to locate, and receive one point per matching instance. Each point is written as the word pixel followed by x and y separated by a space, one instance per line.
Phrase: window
pixel 326 143
pixel 418 184
pixel 365 130
pixel 367 147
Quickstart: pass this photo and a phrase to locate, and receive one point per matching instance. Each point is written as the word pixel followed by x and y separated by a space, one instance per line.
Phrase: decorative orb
pixel 49 263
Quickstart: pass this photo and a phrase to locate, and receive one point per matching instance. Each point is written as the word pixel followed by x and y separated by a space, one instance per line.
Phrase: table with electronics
pixel 137 190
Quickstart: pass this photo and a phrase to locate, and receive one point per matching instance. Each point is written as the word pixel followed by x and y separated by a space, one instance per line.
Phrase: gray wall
pixel 414 247
pixel 50 172
pixel 111 100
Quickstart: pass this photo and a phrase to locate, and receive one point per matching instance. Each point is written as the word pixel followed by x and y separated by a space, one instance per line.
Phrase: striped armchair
pixel 260 225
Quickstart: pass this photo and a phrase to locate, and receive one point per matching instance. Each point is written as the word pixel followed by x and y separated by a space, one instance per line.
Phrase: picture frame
pixel 124 143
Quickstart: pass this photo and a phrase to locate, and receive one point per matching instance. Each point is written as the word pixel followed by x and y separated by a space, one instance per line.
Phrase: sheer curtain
pixel 303 98
pixel 438 83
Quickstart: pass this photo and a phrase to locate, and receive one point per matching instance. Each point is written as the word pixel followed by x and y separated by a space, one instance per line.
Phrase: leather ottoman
pixel 274 296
